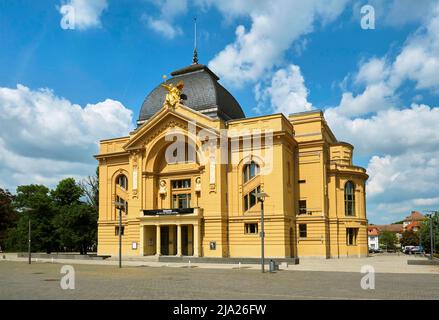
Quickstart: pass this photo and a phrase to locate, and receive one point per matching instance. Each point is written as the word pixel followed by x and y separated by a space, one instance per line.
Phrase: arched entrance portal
pixel 172 217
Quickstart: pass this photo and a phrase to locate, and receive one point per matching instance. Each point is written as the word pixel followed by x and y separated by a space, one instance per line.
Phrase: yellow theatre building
pixel 191 173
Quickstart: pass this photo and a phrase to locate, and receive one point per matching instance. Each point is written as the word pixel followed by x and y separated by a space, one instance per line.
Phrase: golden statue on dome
pixel 174 93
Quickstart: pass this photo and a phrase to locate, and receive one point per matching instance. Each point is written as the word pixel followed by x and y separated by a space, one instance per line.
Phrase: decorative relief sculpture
pixel 174 93
pixel 162 189
pixel 198 184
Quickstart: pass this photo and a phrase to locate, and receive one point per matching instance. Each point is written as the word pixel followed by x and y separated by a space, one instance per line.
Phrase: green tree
pixel 424 233
pixel 66 193
pixel 76 221
pixel 76 226
pixel 409 238
pixel 8 216
pixel 34 203
pixel 388 240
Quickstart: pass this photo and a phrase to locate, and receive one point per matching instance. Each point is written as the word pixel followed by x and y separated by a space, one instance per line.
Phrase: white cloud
pixel 418 61
pixel 274 28
pixel 87 13
pixel 164 23
pixel 45 137
pixel 402 143
pixel 286 92
pixel 373 71
pixel 163 27
pixel 397 13
pixel 391 132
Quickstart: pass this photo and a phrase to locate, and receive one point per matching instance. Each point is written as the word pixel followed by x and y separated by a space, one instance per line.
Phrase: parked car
pixel 413 249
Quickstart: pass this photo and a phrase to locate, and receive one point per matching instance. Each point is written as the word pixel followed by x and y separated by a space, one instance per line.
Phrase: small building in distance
pixel 372 237
pixel 413 221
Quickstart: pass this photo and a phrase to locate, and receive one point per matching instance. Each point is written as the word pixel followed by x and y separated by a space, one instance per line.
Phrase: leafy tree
pixel 76 226
pixel 409 238
pixel 424 233
pixel 388 240
pixel 34 203
pixel 8 216
pixel 76 221
pixel 67 192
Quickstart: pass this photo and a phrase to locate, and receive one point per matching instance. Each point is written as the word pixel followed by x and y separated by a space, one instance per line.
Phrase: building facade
pixel 373 238
pixel 190 174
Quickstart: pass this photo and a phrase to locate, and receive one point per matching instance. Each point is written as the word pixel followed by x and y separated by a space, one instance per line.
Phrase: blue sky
pixel 379 87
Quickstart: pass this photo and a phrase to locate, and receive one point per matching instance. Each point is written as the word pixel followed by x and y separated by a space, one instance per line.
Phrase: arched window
pixel 250 170
pixel 349 198
pixel 122 181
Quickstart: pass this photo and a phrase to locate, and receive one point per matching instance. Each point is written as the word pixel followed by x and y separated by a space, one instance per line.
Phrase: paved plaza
pixel 41 280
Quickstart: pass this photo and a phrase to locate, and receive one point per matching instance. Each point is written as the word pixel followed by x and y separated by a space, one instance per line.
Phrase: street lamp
pixel 120 205
pixel 261 196
pixel 29 238
pixel 431 233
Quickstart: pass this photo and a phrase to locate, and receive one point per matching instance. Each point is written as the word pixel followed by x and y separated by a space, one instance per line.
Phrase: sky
pixel 73 72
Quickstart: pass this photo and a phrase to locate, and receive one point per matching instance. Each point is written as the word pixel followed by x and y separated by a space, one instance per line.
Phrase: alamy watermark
pixel 68 17
pixel 368 280
pixel 368 17
pixel 224 146
pixel 67 282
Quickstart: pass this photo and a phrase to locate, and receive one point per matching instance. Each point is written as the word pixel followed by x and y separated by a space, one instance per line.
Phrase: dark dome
pixel 201 92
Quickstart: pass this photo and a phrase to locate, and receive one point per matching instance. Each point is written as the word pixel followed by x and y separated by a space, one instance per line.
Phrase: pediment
pixel 162 121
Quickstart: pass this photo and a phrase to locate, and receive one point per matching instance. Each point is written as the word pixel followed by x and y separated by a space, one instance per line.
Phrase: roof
pixel 412 225
pixel 201 92
pixel 415 216
pixel 397 228
pixel 372 231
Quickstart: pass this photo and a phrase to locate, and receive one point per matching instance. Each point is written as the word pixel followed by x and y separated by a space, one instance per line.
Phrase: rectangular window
pixel 181 201
pixel 302 207
pixel 302 230
pixel 251 228
pixel 246 202
pixel 116 230
pixel 351 236
pixel 302 181
pixel 181 184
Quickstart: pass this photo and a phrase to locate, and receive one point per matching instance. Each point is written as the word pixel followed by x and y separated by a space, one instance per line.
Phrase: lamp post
pixel 261 196
pixel 29 243
pixel 29 233
pixel 120 205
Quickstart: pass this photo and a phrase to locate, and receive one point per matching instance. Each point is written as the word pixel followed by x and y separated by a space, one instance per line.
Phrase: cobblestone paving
pixel 18 280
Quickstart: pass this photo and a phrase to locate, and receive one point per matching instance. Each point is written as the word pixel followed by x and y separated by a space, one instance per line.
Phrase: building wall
pixel 307 163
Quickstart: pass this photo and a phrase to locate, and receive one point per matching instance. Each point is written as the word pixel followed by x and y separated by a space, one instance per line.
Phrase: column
pixel 179 240
pixel 157 241
pixel 196 240
pixel 142 240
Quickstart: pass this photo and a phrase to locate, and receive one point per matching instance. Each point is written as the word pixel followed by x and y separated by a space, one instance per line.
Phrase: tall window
pixel 181 193
pixel 302 207
pixel 250 198
pixel 351 236
pixel 302 231
pixel 125 207
pixel 251 170
pixel 122 181
pixel 349 198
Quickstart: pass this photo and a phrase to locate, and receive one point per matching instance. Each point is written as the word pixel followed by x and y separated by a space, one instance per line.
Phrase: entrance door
pixel 164 240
